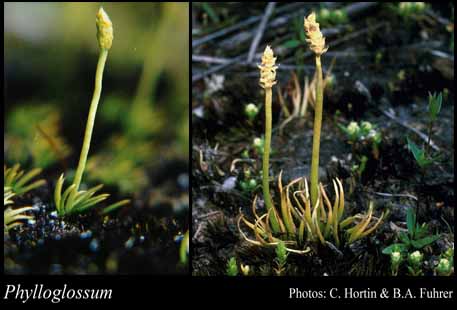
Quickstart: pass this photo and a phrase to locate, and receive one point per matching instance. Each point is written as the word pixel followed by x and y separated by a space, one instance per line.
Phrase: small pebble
pixel 129 243
pixel 86 234
pixel 54 214
pixel 229 184
pixel 55 269
pixel 183 180
pixel 93 246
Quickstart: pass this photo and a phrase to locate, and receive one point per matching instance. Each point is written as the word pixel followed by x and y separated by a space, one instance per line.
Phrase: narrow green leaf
pixel 411 222
pixel 116 205
pixel 419 244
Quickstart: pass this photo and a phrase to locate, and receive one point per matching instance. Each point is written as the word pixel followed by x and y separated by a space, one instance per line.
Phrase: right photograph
pixel 322 139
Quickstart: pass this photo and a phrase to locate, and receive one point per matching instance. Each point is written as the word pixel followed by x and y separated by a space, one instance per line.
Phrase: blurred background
pixel 51 54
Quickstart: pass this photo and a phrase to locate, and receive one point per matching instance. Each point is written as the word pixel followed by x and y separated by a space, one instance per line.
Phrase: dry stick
pixel 352 10
pixel 420 134
pixel 215 69
pixel 244 23
pixel 393 195
pixel 258 36
pixel 224 63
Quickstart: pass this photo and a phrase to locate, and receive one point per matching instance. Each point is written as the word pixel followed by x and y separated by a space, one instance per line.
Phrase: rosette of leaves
pixel 301 223
pixel 18 181
pixel 12 217
pixel 417 237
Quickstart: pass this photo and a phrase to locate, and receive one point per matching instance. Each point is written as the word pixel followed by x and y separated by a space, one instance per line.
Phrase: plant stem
pixel 266 160
pixel 91 118
pixel 317 133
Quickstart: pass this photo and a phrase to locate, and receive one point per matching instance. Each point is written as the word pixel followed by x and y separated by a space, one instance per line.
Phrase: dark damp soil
pixel 138 239
pixel 363 90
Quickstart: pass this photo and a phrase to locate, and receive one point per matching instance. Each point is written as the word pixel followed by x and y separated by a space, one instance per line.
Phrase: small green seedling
pixel 444 267
pixel 364 134
pixel 395 261
pixel 415 261
pixel 232 267
pixel 259 145
pixel 17 180
pixel 248 183
pixel 73 201
pixel 281 258
pixel 417 237
pixel 422 155
pixel 251 111
pixel 332 17
pixel 407 10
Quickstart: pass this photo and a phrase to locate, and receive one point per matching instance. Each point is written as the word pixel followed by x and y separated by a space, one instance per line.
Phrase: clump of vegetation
pixel 410 243
pixel 361 135
pixel 445 266
pixel 72 200
pixel 306 215
pixel 248 183
pixel 12 217
pixel 407 10
pixel 417 237
pixel 422 155
pixel 17 181
pixel 232 267
pixel 332 17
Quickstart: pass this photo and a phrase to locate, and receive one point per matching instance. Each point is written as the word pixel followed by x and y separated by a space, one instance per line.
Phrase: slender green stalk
pixel 316 43
pixel 105 41
pixel 266 160
pixel 317 132
pixel 267 80
pixel 91 118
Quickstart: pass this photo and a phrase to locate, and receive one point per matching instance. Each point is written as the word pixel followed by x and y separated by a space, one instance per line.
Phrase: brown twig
pixel 263 24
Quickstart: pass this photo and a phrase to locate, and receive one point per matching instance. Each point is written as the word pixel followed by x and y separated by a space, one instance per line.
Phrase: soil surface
pixel 141 238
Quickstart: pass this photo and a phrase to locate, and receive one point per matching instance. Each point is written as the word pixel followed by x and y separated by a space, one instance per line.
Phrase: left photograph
pixel 96 138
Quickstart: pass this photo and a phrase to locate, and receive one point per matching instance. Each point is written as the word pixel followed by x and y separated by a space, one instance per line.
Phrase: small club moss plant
pixel 17 180
pixel 105 40
pixel 301 222
pixel 267 80
pixel 303 217
pixel 316 43
pixel 232 267
pixel 281 258
pixel 72 200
